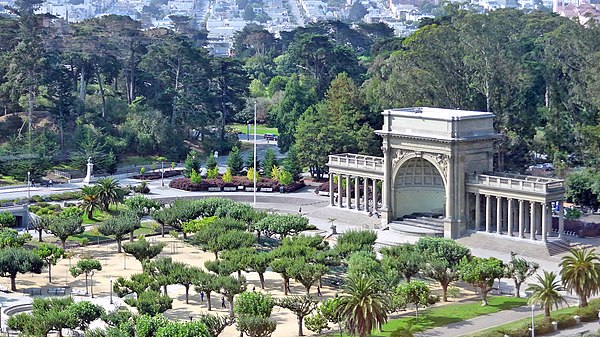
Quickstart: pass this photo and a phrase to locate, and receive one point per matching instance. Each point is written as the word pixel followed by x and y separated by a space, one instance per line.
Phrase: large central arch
pixel 418 187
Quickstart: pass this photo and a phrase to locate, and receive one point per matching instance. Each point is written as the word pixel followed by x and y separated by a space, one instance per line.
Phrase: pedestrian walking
pixel 253 288
pixel 288 289
pixel 50 183
pixel 202 296
pixel 223 302
pixel 300 209
pixel 319 291
pixel 598 316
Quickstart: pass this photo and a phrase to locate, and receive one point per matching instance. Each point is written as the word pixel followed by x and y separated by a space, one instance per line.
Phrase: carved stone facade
pixel 428 154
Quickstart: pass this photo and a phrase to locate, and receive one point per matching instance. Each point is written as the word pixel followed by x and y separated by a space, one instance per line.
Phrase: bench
pixel 33 291
pixel 78 292
pixel 57 291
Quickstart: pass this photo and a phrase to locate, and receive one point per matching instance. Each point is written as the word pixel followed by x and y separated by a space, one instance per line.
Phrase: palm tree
pixel 546 292
pixel 91 199
pixel 109 192
pixel 363 305
pixel 580 273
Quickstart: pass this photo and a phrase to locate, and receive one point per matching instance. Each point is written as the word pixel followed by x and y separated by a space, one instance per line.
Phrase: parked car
pixel 270 136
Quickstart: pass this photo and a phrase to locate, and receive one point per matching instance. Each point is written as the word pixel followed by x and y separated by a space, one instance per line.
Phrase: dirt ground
pixel 115 265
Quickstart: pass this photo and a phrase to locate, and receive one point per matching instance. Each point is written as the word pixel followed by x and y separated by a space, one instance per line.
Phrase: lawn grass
pixel 100 215
pixel 260 129
pixel 451 313
pixel 524 321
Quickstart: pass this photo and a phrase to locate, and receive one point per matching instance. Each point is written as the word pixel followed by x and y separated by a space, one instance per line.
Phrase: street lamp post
pixel 162 173
pixel 28 184
pixel 111 289
pixel 255 173
pixel 532 321
pixel 92 283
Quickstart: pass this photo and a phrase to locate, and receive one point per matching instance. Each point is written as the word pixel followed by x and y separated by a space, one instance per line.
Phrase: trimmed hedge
pixel 157 175
pixel 186 184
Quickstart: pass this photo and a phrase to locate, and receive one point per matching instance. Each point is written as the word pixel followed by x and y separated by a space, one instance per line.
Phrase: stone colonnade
pixel 515 217
pixel 353 199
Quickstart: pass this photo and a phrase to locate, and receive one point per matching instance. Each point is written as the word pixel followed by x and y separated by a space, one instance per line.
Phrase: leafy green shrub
pixel 565 321
pixel 544 327
pixel 195 177
pixel 36 198
pixel 587 314
pixel 7 219
pixel 212 173
pixel 433 299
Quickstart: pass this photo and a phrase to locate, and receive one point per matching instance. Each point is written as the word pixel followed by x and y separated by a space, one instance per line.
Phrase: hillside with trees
pixel 105 88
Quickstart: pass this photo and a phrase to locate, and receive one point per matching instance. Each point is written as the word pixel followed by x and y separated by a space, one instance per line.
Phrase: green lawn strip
pixel 524 321
pixel 92 236
pixel 451 313
pixel 260 129
pixel 100 215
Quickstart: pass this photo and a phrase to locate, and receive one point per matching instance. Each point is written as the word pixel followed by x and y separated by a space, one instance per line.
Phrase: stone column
pixel 561 220
pixel 532 220
pixel 488 213
pixel 499 215
pixel 348 194
pixel 357 192
pixel 477 212
pixel 331 196
pixel 511 217
pixel 545 222
pixel 340 197
pixel 521 219
pixel 366 193
pixel 374 195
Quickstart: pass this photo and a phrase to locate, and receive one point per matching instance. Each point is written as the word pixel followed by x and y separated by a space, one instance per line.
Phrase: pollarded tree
pixel 162 270
pixel 141 205
pixel 415 292
pixel 206 283
pixel 440 271
pixel 63 227
pixel 481 273
pixel 143 250
pixel 301 306
pixel 259 263
pixel 306 273
pixel 238 258
pixel 184 275
pixel 353 241
pixel 546 292
pixel 282 267
pixel 150 302
pixel 256 326
pixel 442 248
pixel 520 270
pixel 41 224
pixel 16 260
pixel 580 273
pixel 86 267
pixel 403 259
pixel 229 287
pixel 119 226
pixel 282 224
pixel 135 284
pixel 50 254
pixel 363 305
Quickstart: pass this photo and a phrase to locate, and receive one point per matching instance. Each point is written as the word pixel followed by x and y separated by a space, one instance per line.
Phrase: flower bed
pixel 186 185
pixel 157 175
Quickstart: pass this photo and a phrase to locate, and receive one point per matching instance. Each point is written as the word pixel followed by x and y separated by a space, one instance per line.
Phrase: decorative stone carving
pixel 399 154
pixel 442 160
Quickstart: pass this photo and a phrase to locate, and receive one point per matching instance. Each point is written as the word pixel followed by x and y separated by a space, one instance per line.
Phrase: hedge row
pixel 186 184
pixel 157 175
